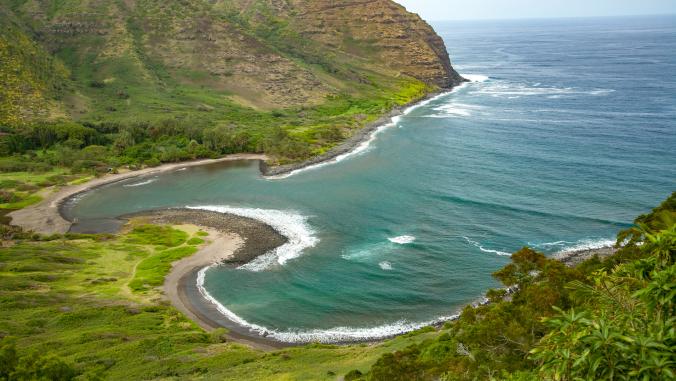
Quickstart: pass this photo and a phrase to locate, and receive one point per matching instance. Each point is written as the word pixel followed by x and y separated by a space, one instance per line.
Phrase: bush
pixel 352 375
pixel 34 366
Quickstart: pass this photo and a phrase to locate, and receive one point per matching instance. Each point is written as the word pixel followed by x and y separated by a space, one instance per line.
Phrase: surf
pixel 300 236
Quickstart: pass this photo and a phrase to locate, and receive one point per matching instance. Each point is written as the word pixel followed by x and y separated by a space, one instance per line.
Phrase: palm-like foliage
pixel 626 330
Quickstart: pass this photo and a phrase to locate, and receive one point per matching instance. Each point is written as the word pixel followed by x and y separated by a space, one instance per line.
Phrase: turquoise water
pixel 567 134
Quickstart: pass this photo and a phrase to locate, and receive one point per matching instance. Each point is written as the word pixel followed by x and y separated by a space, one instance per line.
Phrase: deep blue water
pixel 570 137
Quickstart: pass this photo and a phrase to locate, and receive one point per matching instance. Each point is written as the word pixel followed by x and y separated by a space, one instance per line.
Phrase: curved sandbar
pixel 235 241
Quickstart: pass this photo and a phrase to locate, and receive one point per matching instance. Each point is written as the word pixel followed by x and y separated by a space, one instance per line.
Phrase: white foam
pixel 565 247
pixel 292 225
pixel 475 77
pixel 365 253
pixel 402 239
pixel 454 109
pixel 361 148
pixel 485 250
pixel 385 265
pixel 601 91
pixel 588 244
pixel 146 182
pixel 509 90
pixel 330 335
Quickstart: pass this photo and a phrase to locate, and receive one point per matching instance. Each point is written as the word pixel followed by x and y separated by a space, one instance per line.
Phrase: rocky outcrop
pixel 380 30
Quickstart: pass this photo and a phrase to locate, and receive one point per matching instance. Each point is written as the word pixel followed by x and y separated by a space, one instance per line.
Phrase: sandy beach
pixel 179 286
pixel 221 248
pixel 45 216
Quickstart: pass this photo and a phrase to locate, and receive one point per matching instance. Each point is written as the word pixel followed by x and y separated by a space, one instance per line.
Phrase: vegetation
pixel 88 307
pixel 88 87
pixel 92 86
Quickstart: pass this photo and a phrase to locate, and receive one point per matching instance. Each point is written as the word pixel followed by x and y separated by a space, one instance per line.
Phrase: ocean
pixel 566 133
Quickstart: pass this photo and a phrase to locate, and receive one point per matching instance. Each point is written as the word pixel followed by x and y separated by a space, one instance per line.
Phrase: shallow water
pixel 568 135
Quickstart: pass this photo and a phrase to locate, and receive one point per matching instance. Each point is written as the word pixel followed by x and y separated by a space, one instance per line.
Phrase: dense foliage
pixel 286 135
pixel 602 320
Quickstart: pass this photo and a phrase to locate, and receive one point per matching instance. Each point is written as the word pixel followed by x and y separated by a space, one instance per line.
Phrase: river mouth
pixel 546 152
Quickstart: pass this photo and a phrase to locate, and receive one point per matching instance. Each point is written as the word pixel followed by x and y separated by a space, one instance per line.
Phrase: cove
pixel 549 150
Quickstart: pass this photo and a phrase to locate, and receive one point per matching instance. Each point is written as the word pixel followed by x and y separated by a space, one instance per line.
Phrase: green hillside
pixel 186 79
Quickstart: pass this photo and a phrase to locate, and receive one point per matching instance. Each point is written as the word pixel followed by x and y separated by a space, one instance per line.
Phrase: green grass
pixel 70 298
pixel 25 186
pixel 195 241
pixel 151 271
pixel 32 178
pixel 157 235
pixel 26 200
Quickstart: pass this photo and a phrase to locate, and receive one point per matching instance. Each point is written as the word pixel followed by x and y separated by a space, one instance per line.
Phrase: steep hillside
pixel 31 79
pixel 149 57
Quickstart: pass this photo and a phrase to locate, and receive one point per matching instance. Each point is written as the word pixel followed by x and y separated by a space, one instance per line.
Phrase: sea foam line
pixel 146 182
pixel 293 226
pixel 478 245
pixel 330 335
pixel 364 145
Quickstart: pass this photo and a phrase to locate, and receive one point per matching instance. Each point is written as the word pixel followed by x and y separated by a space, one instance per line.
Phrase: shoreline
pixel 352 143
pixel 234 240
pixel 46 217
pixel 182 288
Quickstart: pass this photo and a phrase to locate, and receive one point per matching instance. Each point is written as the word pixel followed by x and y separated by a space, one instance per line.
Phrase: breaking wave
pixel 475 77
pixel 504 89
pixel 385 265
pixel 293 226
pixel 402 239
pixel 364 253
pixel 564 247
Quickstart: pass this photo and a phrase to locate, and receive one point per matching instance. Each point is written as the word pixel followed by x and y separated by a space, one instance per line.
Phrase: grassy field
pixel 94 302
